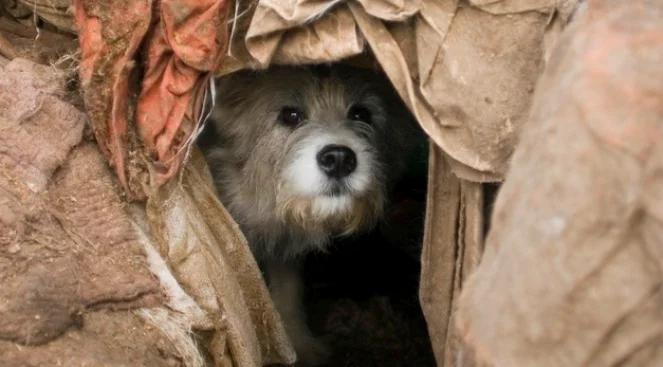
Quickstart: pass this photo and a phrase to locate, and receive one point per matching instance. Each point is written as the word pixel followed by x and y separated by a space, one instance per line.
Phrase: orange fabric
pixel 182 50
pixel 183 42
pixel 109 36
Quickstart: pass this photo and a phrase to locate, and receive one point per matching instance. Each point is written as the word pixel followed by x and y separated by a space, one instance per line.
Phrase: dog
pixel 299 156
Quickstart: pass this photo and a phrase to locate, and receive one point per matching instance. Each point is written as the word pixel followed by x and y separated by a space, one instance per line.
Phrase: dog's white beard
pixel 329 206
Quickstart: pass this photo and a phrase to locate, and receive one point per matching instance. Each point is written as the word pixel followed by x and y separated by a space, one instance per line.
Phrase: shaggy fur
pixel 268 177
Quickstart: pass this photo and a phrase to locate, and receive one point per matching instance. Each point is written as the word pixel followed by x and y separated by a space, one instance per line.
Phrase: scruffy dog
pixel 299 156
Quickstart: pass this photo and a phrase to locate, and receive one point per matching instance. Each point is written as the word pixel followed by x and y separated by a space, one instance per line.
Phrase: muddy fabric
pixel 181 50
pixel 46 47
pixel 55 12
pixel 213 263
pixel 70 247
pixel 183 41
pixel 572 272
pixel 109 35
pixel 276 35
pixel 43 43
pixel 112 339
pixel 453 244
pixel 31 99
pixel 218 291
pixel 66 245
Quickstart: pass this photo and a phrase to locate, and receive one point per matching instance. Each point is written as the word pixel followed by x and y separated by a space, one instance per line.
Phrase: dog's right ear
pixel 240 83
pixel 231 88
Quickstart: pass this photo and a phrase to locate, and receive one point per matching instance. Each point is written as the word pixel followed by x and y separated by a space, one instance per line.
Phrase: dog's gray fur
pixel 266 172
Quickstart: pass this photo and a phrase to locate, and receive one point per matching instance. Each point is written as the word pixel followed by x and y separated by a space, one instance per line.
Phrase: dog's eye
pixel 291 116
pixel 360 113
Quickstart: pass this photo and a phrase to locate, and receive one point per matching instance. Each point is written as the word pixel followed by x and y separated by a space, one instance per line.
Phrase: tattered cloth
pixel 66 245
pixel 183 42
pixel 572 274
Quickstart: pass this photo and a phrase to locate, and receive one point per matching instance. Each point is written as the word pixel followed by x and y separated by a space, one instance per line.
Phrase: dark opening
pixel 362 296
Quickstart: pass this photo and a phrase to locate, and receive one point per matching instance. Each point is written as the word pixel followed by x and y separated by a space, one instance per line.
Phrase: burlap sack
pixel 69 257
pixel 571 275
pixel 212 262
pixel 51 41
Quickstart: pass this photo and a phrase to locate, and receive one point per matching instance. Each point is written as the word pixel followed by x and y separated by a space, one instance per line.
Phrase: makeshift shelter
pixel 571 272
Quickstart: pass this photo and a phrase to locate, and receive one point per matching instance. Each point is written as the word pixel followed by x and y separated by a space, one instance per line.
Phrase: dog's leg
pixel 285 286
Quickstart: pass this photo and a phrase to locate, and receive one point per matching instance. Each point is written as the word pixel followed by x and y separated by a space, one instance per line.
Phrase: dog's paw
pixel 311 352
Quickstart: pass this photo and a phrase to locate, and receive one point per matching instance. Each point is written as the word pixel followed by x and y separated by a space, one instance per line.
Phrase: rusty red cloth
pixel 183 42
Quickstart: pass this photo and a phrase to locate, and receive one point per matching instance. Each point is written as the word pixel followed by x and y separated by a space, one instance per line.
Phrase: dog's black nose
pixel 337 161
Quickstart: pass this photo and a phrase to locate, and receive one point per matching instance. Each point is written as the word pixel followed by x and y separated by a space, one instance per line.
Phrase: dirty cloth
pixel 183 41
pixel 66 245
pixel 103 338
pixel 71 247
pixel 54 12
pixel 44 42
pixel 572 271
pixel 212 262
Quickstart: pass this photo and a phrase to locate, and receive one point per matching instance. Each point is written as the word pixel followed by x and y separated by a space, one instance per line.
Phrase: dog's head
pixel 315 148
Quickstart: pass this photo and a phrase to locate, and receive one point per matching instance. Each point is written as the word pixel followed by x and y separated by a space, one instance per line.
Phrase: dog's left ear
pixel 209 137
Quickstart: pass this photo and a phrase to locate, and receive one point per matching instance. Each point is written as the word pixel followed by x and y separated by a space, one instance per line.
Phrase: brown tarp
pixel 68 251
pixel 47 44
pixel 211 260
pixel 572 274
pixel 74 255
